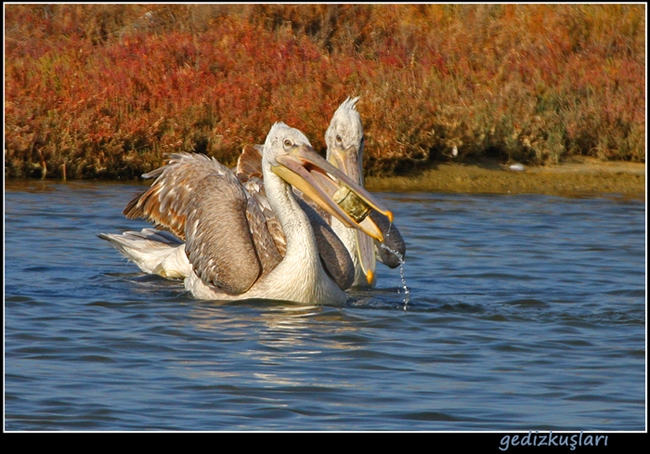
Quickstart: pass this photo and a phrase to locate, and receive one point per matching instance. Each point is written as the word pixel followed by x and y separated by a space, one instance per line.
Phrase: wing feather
pixel 265 244
pixel 255 188
pixel 219 243
pixel 165 202
pixel 202 202
pixel 249 163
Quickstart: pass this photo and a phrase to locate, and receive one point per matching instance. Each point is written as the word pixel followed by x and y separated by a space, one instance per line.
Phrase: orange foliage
pixel 108 90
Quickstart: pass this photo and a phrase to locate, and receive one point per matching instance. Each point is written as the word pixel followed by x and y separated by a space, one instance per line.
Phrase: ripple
pixel 526 312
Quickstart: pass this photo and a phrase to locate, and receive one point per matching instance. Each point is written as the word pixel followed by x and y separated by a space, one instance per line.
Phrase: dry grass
pixel 104 91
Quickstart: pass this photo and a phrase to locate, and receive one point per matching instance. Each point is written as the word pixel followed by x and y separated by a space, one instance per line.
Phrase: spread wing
pixel 203 202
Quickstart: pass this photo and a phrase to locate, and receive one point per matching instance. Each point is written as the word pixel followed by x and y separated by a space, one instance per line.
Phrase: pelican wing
pixel 203 202
pixel 219 242
pixel 333 253
pixel 255 189
pixel 249 163
pixel 165 202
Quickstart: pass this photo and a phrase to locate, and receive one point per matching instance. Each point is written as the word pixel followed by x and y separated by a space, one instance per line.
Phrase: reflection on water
pixel 525 313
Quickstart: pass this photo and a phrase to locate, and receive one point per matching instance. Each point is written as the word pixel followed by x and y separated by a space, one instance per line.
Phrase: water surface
pixel 526 313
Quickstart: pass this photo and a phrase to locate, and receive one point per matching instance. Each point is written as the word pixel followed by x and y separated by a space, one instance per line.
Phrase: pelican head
pixel 288 154
pixel 344 139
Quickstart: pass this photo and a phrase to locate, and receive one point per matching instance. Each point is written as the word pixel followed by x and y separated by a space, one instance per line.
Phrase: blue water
pixel 526 313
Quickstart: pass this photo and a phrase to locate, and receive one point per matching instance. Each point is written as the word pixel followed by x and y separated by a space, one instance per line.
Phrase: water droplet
pixel 407 292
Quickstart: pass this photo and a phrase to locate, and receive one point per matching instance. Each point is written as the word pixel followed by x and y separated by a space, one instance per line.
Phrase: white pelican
pixel 345 141
pixel 227 242
pixel 160 253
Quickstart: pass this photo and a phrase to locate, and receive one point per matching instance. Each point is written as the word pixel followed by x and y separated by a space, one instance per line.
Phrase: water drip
pixel 407 292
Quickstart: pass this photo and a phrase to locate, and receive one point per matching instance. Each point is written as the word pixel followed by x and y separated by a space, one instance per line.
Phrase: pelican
pixel 345 141
pixel 159 253
pixel 228 245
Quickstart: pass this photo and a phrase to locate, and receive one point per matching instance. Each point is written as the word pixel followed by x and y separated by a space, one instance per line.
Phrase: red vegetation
pixel 105 91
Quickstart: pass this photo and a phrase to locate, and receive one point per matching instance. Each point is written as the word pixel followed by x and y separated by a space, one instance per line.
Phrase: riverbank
pixel 581 176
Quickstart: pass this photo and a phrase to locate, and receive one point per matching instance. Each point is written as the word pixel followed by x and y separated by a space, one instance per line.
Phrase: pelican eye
pixel 339 138
pixel 288 143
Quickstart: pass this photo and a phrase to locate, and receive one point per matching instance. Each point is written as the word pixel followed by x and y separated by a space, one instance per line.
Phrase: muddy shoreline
pixel 580 177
